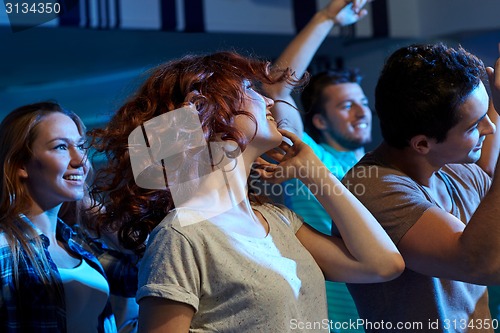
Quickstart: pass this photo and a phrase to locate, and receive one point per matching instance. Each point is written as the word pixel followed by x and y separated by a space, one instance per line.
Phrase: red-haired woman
pixel 180 153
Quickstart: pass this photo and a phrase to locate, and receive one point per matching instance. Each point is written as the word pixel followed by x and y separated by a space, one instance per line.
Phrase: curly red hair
pixel 215 85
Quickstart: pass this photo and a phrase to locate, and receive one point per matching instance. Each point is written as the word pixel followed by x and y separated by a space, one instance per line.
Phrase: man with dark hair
pixel 338 125
pixel 329 102
pixel 434 186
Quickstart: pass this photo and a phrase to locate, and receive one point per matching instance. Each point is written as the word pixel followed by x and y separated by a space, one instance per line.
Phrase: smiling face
pixel 58 167
pixel 464 141
pixel 263 132
pixel 346 122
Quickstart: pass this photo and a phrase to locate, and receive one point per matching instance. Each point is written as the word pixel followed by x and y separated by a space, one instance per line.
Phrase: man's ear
pixel 22 172
pixel 319 121
pixel 421 144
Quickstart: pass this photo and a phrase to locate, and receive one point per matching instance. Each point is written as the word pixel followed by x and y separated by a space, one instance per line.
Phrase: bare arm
pixel 441 245
pixel 365 253
pixel 299 53
pixel 491 145
pixel 158 315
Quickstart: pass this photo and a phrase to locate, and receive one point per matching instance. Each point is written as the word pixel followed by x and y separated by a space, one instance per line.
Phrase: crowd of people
pixel 167 235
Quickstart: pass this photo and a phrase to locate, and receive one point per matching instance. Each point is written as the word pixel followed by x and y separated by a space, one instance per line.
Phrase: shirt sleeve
pixel 168 269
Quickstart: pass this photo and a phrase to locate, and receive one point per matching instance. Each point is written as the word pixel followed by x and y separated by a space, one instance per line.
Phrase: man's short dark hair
pixel 421 88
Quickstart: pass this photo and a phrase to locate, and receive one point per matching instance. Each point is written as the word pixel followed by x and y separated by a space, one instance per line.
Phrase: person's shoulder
pixel 185 223
pixel 5 251
pixel 370 178
pixel 307 139
pixel 371 159
pixel 3 240
pixel 316 147
pixel 468 174
pixel 273 207
pixel 369 168
pixel 464 169
pixel 278 212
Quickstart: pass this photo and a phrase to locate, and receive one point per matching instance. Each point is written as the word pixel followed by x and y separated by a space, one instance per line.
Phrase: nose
pixel 79 157
pixel 361 111
pixel 269 102
pixel 487 126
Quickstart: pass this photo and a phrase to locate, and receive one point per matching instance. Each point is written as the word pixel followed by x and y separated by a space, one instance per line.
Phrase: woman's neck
pixel 222 189
pixel 243 219
pixel 45 220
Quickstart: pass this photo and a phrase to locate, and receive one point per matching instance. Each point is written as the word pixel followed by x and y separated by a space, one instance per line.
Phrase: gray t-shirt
pixel 397 202
pixel 234 282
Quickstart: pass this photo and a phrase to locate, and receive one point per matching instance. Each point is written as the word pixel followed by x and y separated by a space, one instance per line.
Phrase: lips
pixel 480 144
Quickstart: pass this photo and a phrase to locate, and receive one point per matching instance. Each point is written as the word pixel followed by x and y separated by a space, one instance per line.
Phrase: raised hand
pixel 346 12
pixel 296 160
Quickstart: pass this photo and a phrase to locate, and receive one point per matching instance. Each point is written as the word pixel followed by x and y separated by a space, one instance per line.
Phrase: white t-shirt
pixel 234 282
pixel 86 292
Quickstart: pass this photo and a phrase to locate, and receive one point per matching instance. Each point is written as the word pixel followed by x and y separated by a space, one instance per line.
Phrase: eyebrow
pixel 67 140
